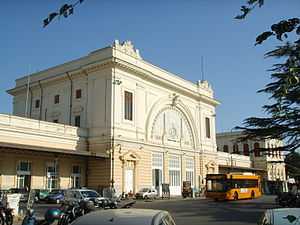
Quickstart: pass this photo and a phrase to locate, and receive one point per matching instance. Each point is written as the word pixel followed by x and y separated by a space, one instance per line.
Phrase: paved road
pixel 204 211
pixel 208 212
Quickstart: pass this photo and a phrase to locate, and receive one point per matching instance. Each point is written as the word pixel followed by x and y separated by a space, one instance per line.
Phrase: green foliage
pixel 65 10
pixel 283 121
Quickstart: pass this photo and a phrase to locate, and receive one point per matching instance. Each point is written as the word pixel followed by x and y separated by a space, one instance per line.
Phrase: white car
pixel 282 216
pixel 146 193
pixel 126 217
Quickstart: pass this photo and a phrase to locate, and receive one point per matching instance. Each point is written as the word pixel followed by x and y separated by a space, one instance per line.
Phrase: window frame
pixel 78 93
pixel 56 99
pixel 128 110
pixel 76 120
pixel 207 128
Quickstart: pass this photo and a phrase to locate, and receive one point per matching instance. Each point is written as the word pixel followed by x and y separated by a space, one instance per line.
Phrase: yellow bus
pixel 233 186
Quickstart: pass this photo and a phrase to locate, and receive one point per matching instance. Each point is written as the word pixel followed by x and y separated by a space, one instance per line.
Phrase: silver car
pixel 126 217
pixel 281 216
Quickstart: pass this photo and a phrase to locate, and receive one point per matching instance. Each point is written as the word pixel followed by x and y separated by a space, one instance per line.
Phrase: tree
pixel 292 162
pixel 65 10
pixel 283 113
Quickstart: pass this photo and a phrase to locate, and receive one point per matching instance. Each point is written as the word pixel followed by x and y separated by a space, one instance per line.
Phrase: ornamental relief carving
pixel 170 127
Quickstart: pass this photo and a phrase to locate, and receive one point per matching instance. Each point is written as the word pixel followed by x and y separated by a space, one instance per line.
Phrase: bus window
pixel 216 185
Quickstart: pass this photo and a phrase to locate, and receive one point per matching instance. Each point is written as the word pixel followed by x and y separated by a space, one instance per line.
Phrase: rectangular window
pixel 128 105
pixel 77 121
pixel 174 170
pixel 75 176
pixel 56 99
pixel 37 103
pixel 78 93
pixel 52 175
pixel 207 127
pixel 190 170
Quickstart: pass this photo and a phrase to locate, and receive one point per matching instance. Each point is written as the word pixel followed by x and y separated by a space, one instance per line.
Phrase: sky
pixel 172 34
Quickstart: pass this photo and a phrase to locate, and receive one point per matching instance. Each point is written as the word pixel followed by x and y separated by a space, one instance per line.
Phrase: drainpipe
pixel 71 97
pixel 42 96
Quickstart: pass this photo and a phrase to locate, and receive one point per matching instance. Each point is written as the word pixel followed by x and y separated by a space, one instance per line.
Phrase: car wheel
pixel 236 196
pixel 252 195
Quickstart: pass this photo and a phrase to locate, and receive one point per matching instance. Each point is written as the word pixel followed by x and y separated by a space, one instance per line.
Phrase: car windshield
pixel 89 194
pixel 144 190
pixel 216 185
pixel 55 192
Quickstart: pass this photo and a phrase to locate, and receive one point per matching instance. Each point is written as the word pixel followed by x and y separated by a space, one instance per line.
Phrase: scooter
pixel 6 216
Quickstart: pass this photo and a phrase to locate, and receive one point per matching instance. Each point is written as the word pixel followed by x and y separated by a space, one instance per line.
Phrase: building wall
pixel 169 113
pixel 10 160
pixel 270 161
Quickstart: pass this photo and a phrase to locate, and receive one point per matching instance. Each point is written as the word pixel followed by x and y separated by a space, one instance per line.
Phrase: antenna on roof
pixel 202 68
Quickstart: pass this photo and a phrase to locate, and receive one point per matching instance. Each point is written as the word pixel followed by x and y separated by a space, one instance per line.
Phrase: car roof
pixel 279 216
pixel 120 217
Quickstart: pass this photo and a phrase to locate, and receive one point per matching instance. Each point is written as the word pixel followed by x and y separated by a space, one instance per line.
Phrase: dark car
pixel 24 193
pixel 55 196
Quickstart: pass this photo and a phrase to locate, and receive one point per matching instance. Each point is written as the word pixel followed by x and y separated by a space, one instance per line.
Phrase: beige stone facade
pixel 140 126
pixel 269 164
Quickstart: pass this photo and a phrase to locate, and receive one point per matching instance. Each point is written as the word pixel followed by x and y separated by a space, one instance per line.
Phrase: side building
pixel 133 125
pixel 269 164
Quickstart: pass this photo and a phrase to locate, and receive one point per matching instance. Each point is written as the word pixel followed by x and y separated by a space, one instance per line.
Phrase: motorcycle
pixel 51 215
pixel 288 200
pixel 6 216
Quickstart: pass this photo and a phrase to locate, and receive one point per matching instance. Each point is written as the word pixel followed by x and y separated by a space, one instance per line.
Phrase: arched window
pixel 256 149
pixel 246 149
pixel 225 148
pixel 236 148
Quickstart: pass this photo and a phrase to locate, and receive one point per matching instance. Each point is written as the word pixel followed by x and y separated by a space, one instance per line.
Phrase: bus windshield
pixel 216 185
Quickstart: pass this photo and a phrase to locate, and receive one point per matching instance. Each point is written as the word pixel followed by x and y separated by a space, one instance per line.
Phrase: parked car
pixel 24 193
pixel 146 193
pixel 41 194
pixel 282 216
pixel 126 217
pixel 88 195
pixel 55 196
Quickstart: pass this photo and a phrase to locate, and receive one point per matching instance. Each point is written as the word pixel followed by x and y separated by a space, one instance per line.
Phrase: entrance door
pixel 129 180
pixel 158 180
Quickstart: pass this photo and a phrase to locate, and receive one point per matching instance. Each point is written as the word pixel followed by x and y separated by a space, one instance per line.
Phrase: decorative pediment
pixel 127 48
pixel 211 164
pixel 130 156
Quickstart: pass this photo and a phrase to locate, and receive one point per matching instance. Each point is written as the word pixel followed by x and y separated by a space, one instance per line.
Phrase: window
pixel 77 121
pixel 256 149
pixel 55 121
pixel 128 105
pixel 157 168
pixel 207 127
pixel 246 149
pixel 225 148
pixel 56 99
pixel 236 149
pixel 52 175
pixel 37 103
pixel 78 93
pixel 24 174
pixel 75 176
pixel 190 170
pixel 174 170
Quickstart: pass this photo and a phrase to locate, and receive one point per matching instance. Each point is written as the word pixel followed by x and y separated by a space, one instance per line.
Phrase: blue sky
pixel 172 34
